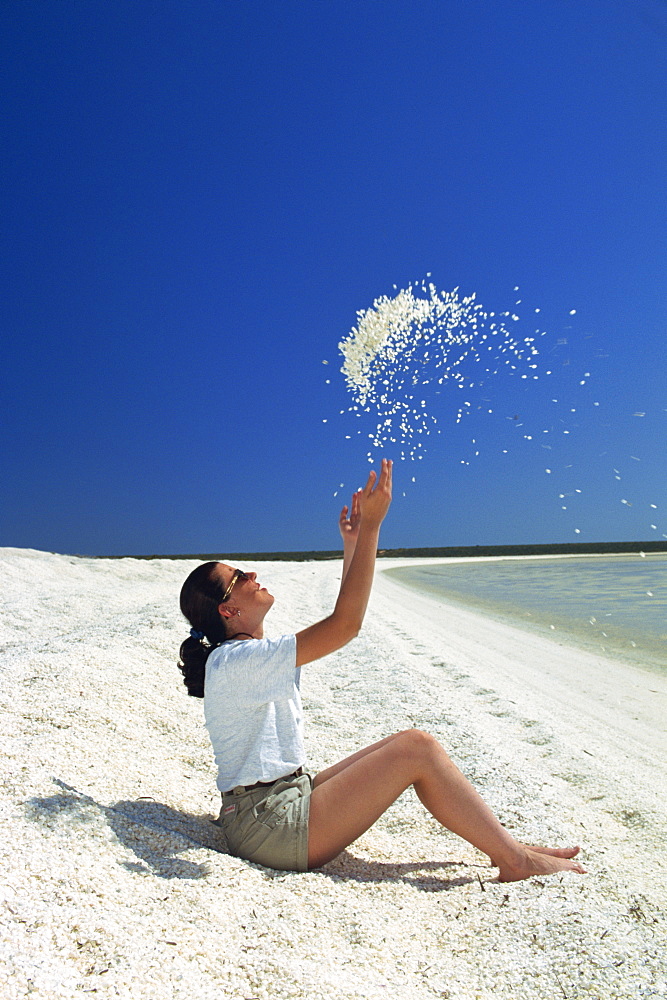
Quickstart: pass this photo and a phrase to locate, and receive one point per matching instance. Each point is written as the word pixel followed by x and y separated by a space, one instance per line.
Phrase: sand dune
pixel 114 880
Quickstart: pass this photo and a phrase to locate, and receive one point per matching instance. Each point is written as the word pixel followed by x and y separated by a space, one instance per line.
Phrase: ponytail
pixel 201 594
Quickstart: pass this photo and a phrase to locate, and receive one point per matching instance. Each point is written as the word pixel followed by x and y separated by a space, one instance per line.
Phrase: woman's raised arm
pixel 345 621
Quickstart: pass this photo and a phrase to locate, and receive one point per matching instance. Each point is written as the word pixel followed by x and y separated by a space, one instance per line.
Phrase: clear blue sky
pixel 198 197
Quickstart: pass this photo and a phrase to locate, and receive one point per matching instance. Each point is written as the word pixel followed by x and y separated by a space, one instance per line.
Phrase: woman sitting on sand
pixel 273 812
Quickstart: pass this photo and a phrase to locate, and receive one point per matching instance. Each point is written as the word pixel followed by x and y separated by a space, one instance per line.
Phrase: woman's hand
pixel 375 497
pixel 362 531
pixel 349 526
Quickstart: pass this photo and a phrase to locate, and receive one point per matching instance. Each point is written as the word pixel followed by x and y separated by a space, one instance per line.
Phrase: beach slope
pixel 114 880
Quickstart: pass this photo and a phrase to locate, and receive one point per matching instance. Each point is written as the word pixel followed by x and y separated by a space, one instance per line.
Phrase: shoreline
pixel 539 621
pixel 616 693
pixel 123 886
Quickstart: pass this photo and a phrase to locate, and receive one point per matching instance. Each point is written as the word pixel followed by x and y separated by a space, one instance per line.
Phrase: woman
pixel 273 812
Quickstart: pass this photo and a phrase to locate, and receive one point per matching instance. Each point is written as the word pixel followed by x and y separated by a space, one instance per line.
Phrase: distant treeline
pixel 449 552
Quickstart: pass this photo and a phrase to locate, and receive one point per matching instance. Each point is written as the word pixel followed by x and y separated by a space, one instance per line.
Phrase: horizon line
pixel 422 551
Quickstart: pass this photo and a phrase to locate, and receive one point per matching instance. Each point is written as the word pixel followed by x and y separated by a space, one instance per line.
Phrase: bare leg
pixel 348 798
pixel 329 772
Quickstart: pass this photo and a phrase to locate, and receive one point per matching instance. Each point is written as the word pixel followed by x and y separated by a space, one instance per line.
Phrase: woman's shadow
pixel 420 874
pixel 157 835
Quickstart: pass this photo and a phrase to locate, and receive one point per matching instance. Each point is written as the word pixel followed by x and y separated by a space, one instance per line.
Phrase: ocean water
pixel 614 604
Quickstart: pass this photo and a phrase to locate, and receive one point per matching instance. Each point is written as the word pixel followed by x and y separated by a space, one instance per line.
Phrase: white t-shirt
pixel 253 711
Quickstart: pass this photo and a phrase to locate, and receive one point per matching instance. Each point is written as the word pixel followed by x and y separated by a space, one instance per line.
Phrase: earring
pixel 238 614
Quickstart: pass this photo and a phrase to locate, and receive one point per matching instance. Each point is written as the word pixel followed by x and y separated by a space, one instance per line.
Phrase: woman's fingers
pixel 376 496
pixel 372 476
pixel 384 482
pixel 386 474
pixel 385 477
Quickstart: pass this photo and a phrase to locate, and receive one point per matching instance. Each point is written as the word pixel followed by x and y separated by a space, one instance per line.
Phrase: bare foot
pixel 553 852
pixel 541 861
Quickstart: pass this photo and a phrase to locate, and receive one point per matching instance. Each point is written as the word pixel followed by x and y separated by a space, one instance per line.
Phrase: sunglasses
pixel 238 575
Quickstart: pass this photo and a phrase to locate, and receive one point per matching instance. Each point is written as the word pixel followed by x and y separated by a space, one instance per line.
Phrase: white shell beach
pixel 115 882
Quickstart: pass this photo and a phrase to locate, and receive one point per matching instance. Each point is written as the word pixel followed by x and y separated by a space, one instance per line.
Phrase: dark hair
pixel 201 594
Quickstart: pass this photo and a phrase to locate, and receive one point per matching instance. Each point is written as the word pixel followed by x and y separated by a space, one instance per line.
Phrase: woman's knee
pixel 420 743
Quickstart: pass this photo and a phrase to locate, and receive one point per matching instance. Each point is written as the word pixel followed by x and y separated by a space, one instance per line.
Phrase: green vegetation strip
pixel 564 548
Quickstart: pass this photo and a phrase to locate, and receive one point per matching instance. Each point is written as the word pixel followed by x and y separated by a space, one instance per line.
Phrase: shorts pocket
pixel 277 807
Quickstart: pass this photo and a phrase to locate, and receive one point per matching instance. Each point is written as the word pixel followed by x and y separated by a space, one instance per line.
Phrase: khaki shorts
pixel 269 825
